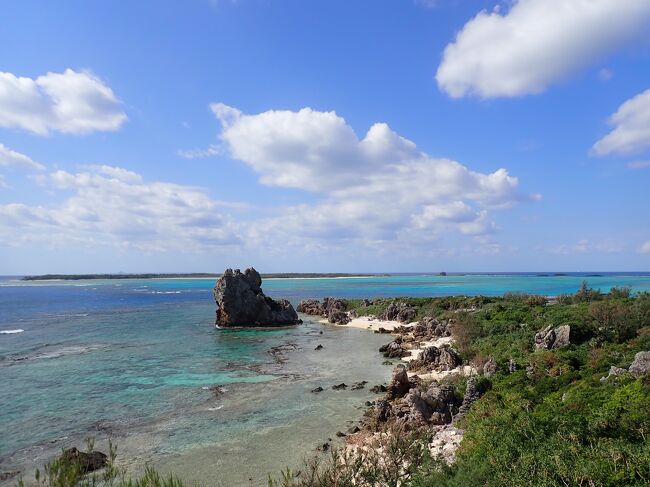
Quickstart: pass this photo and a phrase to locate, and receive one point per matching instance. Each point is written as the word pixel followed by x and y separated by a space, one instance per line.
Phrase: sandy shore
pixel 368 323
pixel 371 324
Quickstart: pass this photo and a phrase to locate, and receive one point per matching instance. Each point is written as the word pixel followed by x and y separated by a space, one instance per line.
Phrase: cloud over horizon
pixel 72 102
pixel 115 207
pixel 536 43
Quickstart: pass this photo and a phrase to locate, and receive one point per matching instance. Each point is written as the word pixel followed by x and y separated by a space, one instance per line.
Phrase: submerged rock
pixel 241 302
pixel 340 386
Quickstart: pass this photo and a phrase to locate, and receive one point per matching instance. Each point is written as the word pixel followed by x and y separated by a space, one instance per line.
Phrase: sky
pixel 324 136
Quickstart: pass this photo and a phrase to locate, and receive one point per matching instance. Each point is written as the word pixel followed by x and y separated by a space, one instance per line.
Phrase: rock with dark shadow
pixel 241 302
pixel 85 462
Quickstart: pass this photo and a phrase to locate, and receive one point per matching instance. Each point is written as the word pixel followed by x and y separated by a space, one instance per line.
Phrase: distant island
pixel 195 275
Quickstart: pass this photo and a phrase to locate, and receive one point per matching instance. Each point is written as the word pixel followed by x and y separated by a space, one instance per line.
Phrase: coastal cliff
pixel 241 302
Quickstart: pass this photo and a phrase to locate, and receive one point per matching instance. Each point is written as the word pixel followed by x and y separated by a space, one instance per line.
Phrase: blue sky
pixel 324 135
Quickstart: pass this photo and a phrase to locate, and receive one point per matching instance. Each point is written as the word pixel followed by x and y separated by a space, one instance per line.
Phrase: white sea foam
pixel 215 409
pixel 165 292
pixel 11 332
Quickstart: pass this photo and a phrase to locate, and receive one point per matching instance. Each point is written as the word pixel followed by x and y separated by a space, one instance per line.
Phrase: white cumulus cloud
pixel 10 157
pixel 631 131
pixel 645 248
pixel 71 102
pixel 114 206
pixel 536 43
pixel 377 188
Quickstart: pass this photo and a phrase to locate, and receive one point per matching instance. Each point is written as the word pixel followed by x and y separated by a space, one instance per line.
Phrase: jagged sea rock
pixel 399 384
pixel 444 358
pixel 435 406
pixel 241 302
pixel 393 350
pixel 641 364
pixel 382 411
pixel 429 327
pixel 398 312
pixel 311 307
pixel 551 338
pixel 338 317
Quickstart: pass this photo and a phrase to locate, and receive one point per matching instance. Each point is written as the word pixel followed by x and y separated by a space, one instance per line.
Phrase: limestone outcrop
pixel 241 302
pixel 551 338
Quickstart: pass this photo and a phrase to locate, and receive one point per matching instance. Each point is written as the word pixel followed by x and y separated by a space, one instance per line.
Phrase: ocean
pixel 138 361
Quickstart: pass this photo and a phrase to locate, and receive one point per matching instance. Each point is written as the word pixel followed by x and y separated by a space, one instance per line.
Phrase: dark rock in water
pixel 399 384
pixel 551 338
pixel 641 364
pixel 324 447
pixel 378 389
pixel 353 430
pixel 85 462
pixel 340 386
pixel 317 390
pixel 393 350
pixel 338 317
pixel 241 302
pixel 340 434
pixel 218 391
pixel 359 385
pixel 8 475
pixel 319 347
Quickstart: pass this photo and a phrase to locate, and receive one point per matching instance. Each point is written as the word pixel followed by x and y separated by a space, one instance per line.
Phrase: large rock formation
pixel 242 303
pixel 440 359
pixel 331 308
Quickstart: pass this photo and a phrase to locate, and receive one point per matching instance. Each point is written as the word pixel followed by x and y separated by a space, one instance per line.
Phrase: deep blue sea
pixel 135 361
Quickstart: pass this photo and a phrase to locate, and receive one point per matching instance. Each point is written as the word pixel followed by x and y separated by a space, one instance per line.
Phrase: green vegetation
pixel 551 421
pixel 63 473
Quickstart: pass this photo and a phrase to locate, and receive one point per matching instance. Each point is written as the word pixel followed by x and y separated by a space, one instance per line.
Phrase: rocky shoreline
pixel 419 395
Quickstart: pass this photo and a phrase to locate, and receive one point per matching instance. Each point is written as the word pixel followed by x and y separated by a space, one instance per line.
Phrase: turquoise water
pixel 135 360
